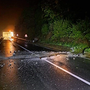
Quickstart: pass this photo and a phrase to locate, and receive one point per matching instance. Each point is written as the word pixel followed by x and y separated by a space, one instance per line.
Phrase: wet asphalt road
pixel 29 71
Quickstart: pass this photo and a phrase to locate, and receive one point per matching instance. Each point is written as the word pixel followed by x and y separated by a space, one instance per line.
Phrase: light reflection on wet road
pixel 36 74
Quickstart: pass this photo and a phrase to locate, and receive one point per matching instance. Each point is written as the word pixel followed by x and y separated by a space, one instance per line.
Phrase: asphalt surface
pixel 35 68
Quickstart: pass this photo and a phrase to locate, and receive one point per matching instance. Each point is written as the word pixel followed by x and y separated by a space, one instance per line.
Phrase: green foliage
pixel 77 48
pixel 49 14
pixel 76 34
pixel 57 21
pixel 45 29
pixel 84 27
pixel 87 50
pixel 61 29
pixel 87 36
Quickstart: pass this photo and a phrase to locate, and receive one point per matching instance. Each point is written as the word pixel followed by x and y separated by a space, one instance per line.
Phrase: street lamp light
pixel 17 35
pixel 26 35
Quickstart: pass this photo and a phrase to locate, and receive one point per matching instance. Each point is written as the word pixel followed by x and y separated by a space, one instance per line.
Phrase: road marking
pixel 25 48
pixel 75 76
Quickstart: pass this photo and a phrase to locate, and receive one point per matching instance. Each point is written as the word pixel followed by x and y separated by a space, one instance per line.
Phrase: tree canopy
pixel 55 21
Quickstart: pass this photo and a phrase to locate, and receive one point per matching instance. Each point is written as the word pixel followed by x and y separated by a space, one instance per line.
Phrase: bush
pixel 75 33
pixel 62 28
pixel 45 29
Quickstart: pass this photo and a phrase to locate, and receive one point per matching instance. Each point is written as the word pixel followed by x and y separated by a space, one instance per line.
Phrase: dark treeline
pixel 55 21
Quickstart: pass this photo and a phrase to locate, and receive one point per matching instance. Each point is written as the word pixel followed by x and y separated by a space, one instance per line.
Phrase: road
pixel 27 67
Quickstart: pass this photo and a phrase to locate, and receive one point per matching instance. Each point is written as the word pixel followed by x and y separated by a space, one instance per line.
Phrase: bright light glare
pixel 17 35
pixel 8 35
pixel 11 39
pixel 12 34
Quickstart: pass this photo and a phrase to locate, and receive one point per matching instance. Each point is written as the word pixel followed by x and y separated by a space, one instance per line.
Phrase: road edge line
pixel 75 76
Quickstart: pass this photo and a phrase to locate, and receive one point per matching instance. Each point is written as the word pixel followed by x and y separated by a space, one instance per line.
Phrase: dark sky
pixel 10 10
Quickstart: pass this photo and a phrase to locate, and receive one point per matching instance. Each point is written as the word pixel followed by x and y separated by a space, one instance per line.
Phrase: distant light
pixel 7 35
pixel 11 39
pixel 17 35
pixel 26 35
pixel 12 34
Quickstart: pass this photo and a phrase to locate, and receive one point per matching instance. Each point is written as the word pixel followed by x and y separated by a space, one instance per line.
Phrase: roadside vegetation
pixel 58 23
pixel 65 33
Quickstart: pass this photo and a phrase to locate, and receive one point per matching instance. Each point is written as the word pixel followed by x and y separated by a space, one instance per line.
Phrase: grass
pixel 87 50
pixel 75 48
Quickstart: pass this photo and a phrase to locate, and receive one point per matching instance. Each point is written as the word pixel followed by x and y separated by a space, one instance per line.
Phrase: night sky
pixel 10 11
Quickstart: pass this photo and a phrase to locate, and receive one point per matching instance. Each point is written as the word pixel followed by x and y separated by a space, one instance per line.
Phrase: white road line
pixel 75 76
pixel 25 48
pixel 45 59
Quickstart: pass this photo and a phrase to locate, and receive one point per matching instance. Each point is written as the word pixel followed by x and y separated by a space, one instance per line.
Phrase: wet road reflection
pixel 33 73
pixel 36 74
pixel 7 48
pixel 8 74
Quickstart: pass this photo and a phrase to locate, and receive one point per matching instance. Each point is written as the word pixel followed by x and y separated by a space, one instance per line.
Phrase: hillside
pixel 57 22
